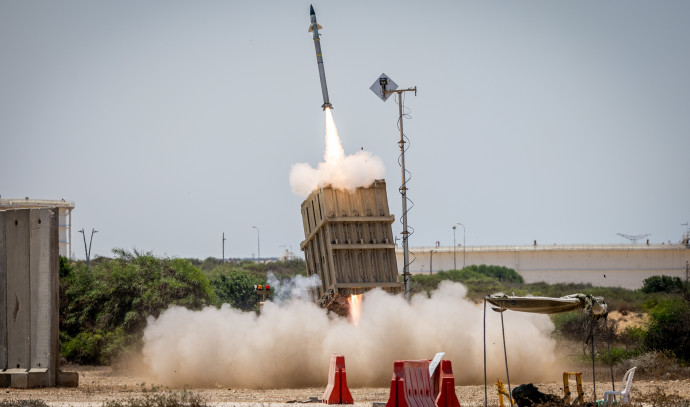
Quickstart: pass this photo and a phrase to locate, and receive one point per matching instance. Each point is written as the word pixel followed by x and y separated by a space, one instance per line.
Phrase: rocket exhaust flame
pixel 355 301
pixel 334 148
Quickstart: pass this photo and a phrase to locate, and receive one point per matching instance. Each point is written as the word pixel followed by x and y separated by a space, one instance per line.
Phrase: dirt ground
pixel 99 384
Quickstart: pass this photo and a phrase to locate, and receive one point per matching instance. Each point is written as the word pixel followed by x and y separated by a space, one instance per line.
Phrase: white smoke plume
pixel 289 345
pixel 296 287
pixel 338 170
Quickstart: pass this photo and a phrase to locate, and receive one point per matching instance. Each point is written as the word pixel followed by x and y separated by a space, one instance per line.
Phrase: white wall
pixel 604 265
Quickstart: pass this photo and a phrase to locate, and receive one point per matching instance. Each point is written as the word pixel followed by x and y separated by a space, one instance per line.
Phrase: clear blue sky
pixel 171 122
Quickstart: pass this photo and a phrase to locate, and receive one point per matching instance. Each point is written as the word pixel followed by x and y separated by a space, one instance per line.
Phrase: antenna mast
pixel 384 87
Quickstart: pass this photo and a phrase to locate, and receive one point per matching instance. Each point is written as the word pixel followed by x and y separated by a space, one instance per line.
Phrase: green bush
pixel 618 355
pixel 103 310
pixel 236 287
pixel 669 329
pixel 662 284
pixel 500 273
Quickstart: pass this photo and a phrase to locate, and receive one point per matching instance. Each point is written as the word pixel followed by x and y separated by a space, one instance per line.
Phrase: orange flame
pixel 355 302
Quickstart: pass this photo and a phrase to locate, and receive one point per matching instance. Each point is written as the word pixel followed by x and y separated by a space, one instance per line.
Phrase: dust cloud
pixel 338 170
pixel 289 344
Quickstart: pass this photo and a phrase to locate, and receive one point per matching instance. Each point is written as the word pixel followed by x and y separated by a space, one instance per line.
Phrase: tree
pixel 103 310
pixel 236 287
pixel 662 284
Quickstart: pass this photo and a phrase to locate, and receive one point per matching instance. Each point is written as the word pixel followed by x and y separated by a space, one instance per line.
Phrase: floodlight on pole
pixel 258 242
pixel 224 239
pixel 455 267
pixel 384 87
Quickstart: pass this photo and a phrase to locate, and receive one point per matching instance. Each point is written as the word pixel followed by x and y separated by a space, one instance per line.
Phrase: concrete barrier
pixel 29 273
pixel 337 391
pixel 411 385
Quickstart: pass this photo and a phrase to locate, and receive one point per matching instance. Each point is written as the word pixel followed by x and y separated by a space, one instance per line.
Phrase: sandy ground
pixel 99 384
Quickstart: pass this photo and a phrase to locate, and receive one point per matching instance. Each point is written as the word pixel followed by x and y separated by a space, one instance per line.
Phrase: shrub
pixel 669 329
pixel 236 287
pixel 500 273
pixel 662 284
pixel 103 310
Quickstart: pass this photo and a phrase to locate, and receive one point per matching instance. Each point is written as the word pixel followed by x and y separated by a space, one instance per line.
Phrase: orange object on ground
pixel 337 391
pixel 411 385
pixel 444 385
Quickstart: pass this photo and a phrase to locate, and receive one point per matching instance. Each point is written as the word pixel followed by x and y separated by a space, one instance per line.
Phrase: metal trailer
pixel 348 243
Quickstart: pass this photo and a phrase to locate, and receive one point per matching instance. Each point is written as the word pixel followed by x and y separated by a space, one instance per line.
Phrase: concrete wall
pixel 29 285
pixel 604 265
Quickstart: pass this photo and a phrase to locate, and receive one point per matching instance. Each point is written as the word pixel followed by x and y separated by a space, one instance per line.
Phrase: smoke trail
pixel 289 344
pixel 338 170
pixel 296 287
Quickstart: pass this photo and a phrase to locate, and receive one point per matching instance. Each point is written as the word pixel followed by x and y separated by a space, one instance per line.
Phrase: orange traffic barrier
pixel 337 391
pixel 411 385
pixel 444 385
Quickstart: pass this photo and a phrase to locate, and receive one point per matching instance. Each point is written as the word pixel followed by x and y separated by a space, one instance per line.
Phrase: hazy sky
pixel 171 122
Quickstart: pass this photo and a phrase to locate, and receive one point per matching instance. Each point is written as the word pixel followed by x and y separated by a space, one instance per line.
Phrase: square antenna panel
pixel 383 84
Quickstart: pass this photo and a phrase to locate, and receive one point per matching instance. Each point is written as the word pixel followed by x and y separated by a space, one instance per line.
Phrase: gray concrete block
pixel 67 379
pixel 19 378
pixel 3 297
pixel 43 270
pixel 4 379
pixel 38 378
pixel 18 291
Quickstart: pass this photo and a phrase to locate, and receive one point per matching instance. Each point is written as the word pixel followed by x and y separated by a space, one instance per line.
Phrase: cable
pixel 406 177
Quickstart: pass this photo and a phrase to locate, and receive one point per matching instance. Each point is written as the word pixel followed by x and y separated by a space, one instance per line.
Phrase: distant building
pixel 619 265
pixel 65 221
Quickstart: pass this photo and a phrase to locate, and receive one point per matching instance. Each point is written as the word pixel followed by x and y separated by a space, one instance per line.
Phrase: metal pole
pixel 223 247
pixel 455 267
pixel 594 375
pixel 486 396
pixel 431 262
pixel 463 246
pixel 608 345
pixel 258 242
pixel 88 258
pixel 86 250
pixel 403 193
pixel 505 353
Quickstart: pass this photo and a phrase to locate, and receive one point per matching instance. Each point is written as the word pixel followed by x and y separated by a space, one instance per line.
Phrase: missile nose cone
pixel 311 10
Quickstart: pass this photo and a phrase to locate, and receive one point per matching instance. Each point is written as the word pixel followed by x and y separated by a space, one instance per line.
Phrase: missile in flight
pixel 314 28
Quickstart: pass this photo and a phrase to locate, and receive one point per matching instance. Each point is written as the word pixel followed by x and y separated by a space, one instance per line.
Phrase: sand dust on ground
pixel 99 384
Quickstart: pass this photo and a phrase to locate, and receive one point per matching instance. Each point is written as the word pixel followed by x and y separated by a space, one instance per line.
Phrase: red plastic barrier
pixel 337 391
pixel 444 385
pixel 411 385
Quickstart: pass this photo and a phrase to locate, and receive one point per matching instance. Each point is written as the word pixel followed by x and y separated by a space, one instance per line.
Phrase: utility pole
pixel 258 242
pixel 88 250
pixel 224 247
pixel 455 267
pixel 431 262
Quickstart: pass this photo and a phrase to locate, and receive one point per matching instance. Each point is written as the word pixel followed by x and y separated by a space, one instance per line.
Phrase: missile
pixel 314 28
